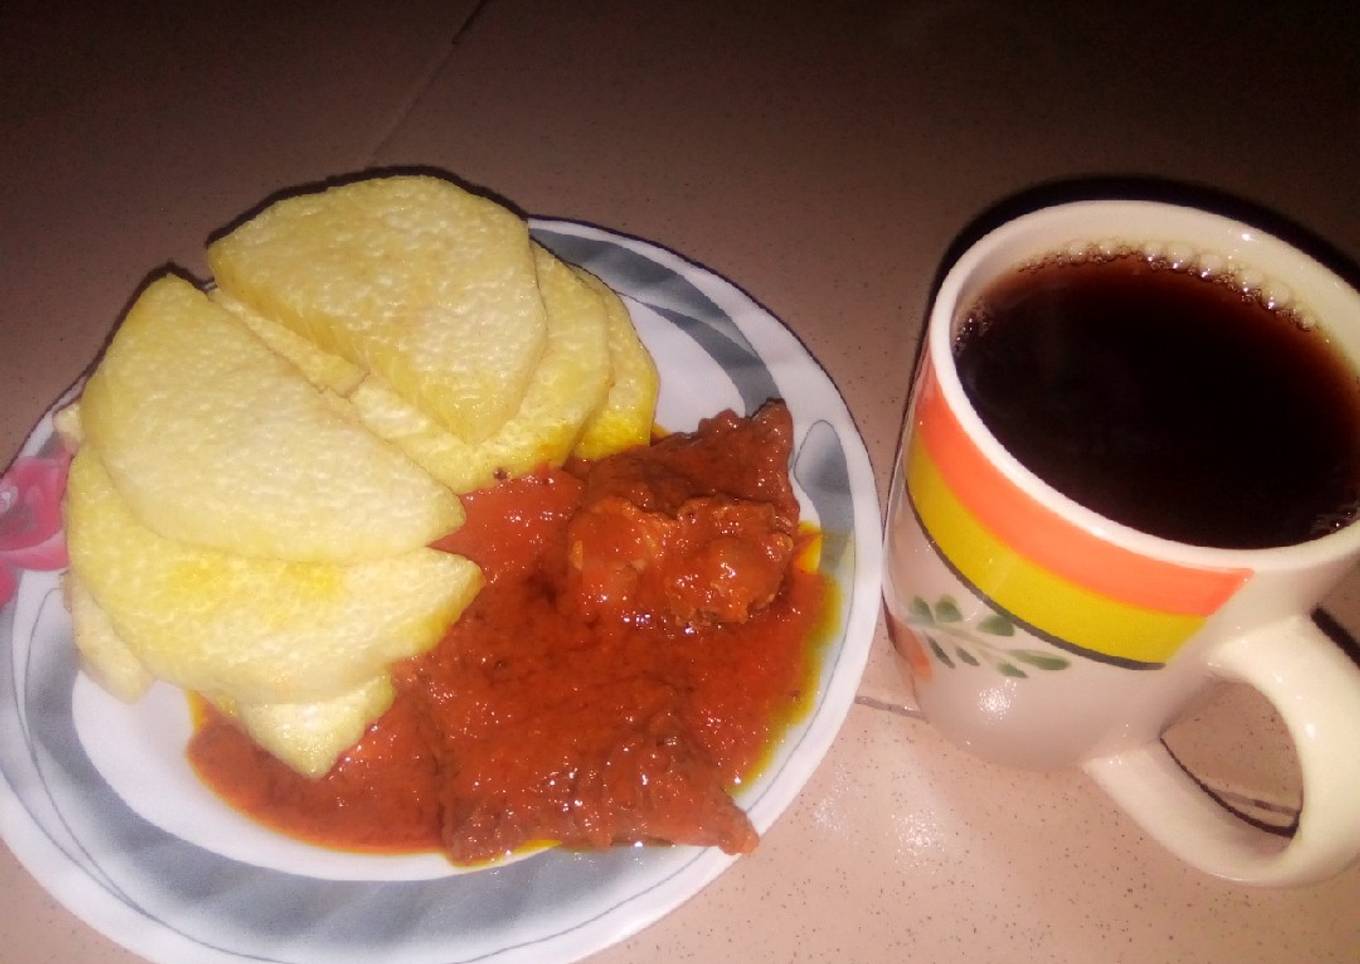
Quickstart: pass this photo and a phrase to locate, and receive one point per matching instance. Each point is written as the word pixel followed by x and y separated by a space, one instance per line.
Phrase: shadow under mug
pixel 1042 634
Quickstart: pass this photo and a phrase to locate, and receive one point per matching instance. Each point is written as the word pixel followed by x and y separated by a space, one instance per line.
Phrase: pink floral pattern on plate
pixel 31 533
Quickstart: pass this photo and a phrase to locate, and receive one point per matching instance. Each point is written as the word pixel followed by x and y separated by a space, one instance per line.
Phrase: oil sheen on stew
pixel 644 635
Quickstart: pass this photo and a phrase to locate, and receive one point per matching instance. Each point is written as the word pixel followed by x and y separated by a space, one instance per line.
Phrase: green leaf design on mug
pixel 997 625
pixel 920 611
pixel 947 610
pixel 939 652
pixel 1037 659
pixel 975 644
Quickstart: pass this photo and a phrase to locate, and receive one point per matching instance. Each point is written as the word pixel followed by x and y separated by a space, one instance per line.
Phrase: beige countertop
pixel 824 157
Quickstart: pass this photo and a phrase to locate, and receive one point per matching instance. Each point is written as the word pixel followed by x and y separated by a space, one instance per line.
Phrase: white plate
pixel 99 805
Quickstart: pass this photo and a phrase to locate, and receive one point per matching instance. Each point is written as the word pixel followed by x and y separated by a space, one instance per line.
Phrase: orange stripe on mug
pixel 1041 535
pixel 1066 613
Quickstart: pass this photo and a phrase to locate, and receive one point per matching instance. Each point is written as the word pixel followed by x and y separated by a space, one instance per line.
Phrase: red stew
pixel 642 638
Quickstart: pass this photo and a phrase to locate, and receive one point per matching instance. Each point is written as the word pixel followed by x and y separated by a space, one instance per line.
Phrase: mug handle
pixel 1315 688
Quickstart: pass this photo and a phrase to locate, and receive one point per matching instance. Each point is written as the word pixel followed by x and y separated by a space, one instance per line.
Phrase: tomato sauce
pixel 625 666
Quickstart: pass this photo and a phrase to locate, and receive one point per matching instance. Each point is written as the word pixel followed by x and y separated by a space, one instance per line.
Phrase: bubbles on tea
pixel 1179 255
pixel 1208 265
pixel 1249 280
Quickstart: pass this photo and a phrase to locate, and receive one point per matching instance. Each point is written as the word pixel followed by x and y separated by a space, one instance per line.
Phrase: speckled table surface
pixel 823 156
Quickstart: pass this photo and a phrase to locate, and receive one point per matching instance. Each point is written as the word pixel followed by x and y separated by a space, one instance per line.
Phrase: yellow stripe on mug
pixel 1069 615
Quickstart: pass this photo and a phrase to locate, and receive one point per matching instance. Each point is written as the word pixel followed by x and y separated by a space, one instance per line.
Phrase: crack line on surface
pixel 425 82
pixel 1256 802
pixel 897 709
pixel 1224 798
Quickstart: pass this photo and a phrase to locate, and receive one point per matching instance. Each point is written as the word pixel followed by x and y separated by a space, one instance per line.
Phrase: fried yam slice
pixel 213 439
pixel 103 653
pixel 309 737
pixel 428 286
pixel 625 419
pixel 254 630
pixel 325 371
pixel 569 384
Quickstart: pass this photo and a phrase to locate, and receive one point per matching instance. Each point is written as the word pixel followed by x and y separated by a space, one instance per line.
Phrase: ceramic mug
pixel 1042 634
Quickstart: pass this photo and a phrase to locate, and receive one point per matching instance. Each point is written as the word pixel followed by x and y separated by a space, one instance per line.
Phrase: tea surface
pixel 1176 405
